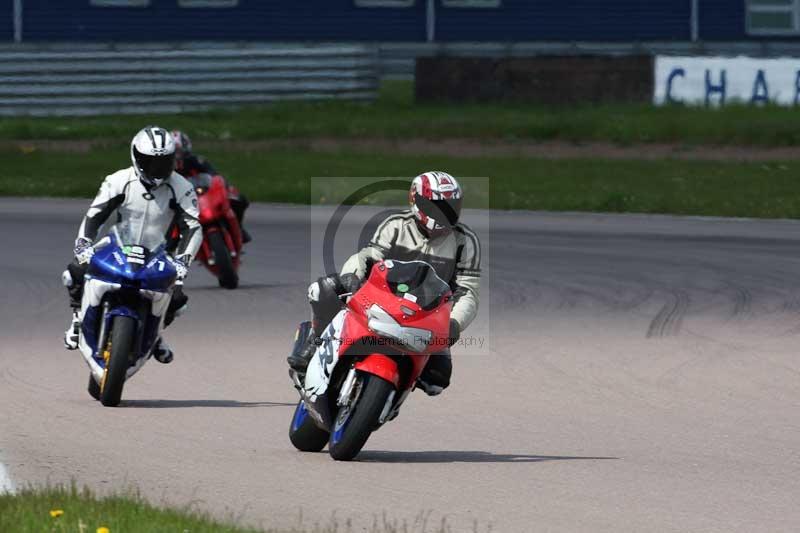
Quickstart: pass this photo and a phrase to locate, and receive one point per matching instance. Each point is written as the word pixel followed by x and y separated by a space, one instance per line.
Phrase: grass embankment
pixel 662 186
pixel 61 510
pixel 69 510
pixel 396 116
pixel 275 172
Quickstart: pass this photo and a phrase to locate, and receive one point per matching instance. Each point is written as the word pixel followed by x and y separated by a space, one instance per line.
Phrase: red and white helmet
pixel 183 144
pixel 435 199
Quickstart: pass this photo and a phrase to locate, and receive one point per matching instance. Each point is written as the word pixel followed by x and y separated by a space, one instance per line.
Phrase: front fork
pixel 154 305
pixel 346 397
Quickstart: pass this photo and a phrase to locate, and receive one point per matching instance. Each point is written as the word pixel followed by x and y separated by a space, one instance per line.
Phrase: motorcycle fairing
pixel 145 276
pixel 216 215
pixel 133 266
pixel 326 356
pixel 382 366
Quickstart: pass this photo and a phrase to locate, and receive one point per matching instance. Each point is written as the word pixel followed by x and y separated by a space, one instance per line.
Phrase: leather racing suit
pixel 146 214
pixel 456 257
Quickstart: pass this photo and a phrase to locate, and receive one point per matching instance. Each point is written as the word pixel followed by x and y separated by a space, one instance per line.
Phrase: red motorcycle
pixel 370 357
pixel 222 236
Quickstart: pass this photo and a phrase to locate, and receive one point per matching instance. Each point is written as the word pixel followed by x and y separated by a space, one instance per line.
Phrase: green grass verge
pixel 68 510
pixel 396 116
pixel 661 186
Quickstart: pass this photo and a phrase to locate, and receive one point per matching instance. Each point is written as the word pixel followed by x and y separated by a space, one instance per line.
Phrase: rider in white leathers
pixel 147 198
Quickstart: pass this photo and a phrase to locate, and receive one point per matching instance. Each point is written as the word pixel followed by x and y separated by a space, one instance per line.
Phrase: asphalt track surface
pixel 642 375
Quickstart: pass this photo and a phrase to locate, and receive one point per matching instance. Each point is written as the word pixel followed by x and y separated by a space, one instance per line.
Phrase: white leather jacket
pixel 456 257
pixel 145 216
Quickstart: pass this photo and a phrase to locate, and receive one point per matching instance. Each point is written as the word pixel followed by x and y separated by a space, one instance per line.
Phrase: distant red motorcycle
pixel 222 236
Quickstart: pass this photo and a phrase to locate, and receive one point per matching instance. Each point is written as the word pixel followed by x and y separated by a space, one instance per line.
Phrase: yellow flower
pixel 55 513
pixel 103 529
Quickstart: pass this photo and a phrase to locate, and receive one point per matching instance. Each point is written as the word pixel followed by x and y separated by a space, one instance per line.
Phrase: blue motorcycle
pixel 126 295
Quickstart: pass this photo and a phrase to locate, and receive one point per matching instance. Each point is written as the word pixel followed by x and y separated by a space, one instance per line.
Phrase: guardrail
pixel 126 80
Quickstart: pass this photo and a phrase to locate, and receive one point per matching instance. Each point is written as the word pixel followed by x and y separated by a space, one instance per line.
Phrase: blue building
pixel 399 20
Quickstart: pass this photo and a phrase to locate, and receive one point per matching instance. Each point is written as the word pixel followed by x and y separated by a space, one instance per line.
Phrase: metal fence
pixel 146 80
pixel 94 78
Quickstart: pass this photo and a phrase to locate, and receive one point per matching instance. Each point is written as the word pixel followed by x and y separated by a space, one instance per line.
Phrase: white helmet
pixel 435 199
pixel 153 155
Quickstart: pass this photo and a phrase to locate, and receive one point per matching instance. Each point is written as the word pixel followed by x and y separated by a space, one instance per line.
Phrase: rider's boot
pixel 304 348
pixel 162 352
pixel 299 360
pixel 436 375
pixel 429 388
pixel 72 334
pixel 239 205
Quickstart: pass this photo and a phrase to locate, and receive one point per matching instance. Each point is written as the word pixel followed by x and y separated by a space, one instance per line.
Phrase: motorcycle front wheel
pixel 355 422
pixel 117 356
pixel 93 388
pixel 226 273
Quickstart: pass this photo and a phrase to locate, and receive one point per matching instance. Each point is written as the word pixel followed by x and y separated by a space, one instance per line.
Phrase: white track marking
pixel 6 485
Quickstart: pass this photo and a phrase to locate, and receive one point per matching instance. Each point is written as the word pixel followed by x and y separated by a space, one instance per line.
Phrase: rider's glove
pixel 181 266
pixel 83 250
pixel 455 332
pixel 350 283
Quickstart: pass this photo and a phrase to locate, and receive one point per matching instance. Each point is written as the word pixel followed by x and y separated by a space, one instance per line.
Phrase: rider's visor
pixel 155 167
pixel 442 211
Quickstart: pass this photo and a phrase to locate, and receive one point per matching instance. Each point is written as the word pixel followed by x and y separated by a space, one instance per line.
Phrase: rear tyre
pixel 226 274
pixel 304 434
pixel 122 336
pixel 354 426
pixel 93 388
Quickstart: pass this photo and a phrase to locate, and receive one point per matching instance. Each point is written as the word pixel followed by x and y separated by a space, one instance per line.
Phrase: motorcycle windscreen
pixel 130 232
pixel 416 281
pixel 201 182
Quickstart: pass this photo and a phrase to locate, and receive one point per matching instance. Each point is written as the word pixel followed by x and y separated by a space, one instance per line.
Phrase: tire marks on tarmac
pixel 742 303
pixel 669 319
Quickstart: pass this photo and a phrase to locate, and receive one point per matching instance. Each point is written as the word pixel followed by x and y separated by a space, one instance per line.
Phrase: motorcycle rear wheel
pixel 351 434
pixel 226 273
pixel 304 433
pixel 122 339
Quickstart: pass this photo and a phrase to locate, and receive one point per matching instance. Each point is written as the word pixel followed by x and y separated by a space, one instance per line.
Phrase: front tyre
pixel 123 331
pixel 304 433
pixel 226 273
pixel 93 388
pixel 355 423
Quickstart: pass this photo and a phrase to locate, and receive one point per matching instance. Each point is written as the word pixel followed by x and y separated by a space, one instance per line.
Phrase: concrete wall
pixel 544 79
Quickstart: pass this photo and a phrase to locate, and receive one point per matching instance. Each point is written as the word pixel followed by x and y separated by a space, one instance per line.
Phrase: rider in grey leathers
pixel 430 231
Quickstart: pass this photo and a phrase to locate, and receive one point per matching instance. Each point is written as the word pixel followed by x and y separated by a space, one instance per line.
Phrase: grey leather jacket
pixel 456 257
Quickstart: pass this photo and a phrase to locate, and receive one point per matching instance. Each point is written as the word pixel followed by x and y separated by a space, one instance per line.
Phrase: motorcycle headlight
pixel 415 339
